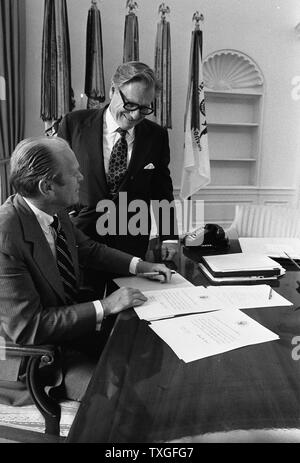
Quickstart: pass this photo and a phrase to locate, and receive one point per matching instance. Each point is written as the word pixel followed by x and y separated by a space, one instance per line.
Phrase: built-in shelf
pixel 232 93
pixel 233 159
pixel 233 124
pixel 234 102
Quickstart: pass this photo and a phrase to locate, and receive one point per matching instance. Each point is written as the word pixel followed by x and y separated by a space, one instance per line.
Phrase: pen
pixel 270 293
pixel 294 262
pixel 153 274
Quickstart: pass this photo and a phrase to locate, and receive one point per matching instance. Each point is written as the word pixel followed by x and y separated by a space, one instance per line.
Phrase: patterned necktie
pixel 117 163
pixel 65 263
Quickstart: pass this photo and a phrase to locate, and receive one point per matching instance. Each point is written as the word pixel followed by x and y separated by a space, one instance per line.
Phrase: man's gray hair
pixel 135 71
pixel 33 160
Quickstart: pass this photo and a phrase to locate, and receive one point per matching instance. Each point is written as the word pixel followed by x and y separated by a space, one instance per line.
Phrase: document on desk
pixel 145 284
pixel 272 247
pixel 197 299
pixel 174 302
pixel 194 337
pixel 250 297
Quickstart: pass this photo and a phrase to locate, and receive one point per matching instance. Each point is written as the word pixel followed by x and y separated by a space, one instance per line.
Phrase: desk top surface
pixel 142 392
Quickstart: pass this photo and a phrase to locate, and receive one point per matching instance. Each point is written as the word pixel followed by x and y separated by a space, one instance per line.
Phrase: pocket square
pixel 149 166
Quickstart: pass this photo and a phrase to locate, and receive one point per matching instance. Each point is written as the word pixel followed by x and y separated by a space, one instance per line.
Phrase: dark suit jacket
pixel 84 131
pixel 33 308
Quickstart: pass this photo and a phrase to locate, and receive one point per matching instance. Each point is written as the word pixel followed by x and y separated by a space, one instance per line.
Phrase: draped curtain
pixel 12 85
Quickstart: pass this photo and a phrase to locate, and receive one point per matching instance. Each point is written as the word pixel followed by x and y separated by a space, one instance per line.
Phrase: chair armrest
pixel 45 352
pixel 43 355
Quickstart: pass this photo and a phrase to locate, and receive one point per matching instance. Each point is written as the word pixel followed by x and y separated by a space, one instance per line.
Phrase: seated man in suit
pixel 41 254
pixel 124 157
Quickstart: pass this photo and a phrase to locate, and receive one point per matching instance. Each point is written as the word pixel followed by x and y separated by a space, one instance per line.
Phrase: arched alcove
pixel 230 69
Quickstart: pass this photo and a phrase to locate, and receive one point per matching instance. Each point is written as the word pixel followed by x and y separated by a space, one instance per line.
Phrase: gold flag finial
pixel 131 5
pixel 197 17
pixel 164 10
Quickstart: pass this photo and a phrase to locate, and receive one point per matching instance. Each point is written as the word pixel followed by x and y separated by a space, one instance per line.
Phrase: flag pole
pixel 196 166
pixel 197 18
pixel 162 102
pixel 131 33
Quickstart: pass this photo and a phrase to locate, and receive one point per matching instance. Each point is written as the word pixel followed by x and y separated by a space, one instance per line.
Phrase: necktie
pixel 65 263
pixel 117 163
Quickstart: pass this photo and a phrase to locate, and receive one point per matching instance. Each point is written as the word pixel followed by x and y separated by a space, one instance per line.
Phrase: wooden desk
pixel 142 392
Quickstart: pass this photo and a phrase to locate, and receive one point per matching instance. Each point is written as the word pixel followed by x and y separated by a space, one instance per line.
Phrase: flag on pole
pixel 56 91
pixel 94 86
pixel 196 165
pixel 131 34
pixel 162 107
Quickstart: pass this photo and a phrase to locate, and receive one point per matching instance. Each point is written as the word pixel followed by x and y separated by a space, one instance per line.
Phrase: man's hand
pixel 148 267
pixel 169 249
pixel 122 299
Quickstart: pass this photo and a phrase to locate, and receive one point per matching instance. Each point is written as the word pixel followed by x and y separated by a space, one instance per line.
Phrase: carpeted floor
pixel 29 418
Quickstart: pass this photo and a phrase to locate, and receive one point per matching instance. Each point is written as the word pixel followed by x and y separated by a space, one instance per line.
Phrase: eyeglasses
pixel 145 110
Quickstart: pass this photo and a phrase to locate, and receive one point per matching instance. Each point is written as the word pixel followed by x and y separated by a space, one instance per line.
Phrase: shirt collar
pixel 43 218
pixel 111 124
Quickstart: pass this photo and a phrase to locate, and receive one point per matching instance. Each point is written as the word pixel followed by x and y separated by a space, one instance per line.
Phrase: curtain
pixel 12 85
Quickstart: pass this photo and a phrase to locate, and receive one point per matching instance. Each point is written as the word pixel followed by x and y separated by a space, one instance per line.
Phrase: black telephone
pixel 211 236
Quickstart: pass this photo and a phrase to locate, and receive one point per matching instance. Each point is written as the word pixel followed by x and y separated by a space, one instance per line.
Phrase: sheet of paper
pixel 272 247
pixel 249 297
pixel 198 336
pixel 176 302
pixel 179 301
pixel 145 284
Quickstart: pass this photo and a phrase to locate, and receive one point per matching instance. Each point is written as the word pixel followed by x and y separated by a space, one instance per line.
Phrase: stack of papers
pixel 240 267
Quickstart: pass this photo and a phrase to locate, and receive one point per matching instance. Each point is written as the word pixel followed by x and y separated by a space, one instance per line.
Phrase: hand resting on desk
pixel 122 299
pixel 126 297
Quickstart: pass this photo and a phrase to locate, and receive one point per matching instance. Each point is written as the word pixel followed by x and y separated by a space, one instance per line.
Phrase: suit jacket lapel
pixel 41 252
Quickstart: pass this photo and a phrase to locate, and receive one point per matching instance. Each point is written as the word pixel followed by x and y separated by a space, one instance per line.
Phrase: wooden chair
pixel 49 410
pixel 253 220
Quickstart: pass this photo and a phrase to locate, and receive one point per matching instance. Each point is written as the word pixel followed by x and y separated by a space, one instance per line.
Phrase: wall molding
pixel 220 202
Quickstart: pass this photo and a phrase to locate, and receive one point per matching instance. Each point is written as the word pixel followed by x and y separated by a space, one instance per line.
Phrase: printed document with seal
pixel 196 299
pixel 198 336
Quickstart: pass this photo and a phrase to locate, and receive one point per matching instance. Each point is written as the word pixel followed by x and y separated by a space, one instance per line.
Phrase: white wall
pixel 263 29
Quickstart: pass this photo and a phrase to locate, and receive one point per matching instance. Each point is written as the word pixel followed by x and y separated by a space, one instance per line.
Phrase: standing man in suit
pixel 41 254
pixel 123 155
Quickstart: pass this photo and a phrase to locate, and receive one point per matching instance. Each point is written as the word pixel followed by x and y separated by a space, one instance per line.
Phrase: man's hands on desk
pixel 124 298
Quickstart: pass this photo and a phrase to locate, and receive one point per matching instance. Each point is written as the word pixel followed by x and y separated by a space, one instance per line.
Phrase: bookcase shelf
pixel 234 107
pixel 233 124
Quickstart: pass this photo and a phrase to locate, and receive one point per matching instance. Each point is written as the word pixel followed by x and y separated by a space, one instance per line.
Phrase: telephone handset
pixel 210 236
